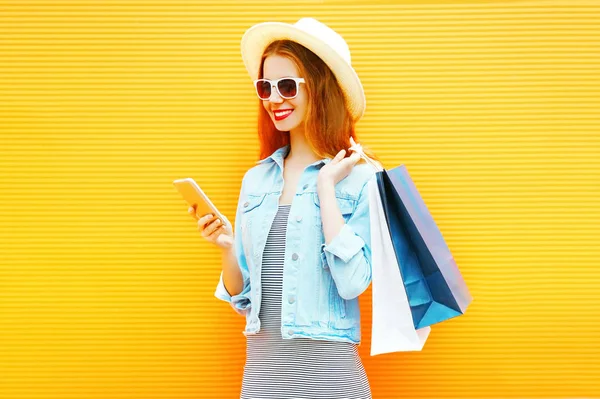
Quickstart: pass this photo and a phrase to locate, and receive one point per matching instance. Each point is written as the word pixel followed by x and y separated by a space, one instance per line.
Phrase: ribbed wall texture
pixel 106 286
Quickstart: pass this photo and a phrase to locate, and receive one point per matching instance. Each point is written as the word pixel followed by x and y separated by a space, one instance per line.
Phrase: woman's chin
pixel 284 125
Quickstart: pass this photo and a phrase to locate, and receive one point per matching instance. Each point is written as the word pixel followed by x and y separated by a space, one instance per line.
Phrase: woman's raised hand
pixel 213 230
pixel 338 168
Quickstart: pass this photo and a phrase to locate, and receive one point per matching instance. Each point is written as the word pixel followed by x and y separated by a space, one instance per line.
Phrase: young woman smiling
pixel 300 255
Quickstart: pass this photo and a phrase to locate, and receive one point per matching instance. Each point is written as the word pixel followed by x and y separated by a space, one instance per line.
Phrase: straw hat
pixel 329 45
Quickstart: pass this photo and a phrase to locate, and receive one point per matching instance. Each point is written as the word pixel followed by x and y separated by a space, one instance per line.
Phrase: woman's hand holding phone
pixel 212 229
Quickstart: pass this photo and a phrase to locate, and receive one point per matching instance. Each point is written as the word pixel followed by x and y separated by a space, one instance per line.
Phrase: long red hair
pixel 328 123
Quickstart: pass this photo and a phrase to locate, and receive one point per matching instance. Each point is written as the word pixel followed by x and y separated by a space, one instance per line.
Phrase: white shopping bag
pixel 393 328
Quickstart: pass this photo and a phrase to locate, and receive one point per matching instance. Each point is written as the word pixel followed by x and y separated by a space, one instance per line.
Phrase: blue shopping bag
pixel 435 287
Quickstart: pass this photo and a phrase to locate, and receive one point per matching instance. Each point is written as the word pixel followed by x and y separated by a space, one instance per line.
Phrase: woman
pixel 300 256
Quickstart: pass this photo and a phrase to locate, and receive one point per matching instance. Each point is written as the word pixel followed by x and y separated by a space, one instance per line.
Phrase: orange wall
pixel 106 287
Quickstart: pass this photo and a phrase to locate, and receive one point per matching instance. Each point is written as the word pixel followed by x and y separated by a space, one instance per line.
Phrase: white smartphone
pixel 193 194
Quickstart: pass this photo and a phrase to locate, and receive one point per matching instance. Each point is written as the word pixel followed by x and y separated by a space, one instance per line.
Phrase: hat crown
pixel 326 34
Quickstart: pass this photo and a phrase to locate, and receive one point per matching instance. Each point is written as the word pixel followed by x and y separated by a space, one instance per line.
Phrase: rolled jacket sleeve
pixel 348 255
pixel 241 302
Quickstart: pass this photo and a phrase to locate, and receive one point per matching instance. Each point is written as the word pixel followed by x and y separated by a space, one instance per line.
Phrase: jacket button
pixel 291 299
pixel 294 256
pixel 298 218
pixel 305 186
pixel 246 204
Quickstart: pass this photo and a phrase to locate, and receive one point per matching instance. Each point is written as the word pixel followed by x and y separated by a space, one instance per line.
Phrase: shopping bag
pixel 429 277
pixel 435 287
pixel 393 327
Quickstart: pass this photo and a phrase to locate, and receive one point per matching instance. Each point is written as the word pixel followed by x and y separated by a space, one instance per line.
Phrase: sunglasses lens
pixel 287 87
pixel 263 89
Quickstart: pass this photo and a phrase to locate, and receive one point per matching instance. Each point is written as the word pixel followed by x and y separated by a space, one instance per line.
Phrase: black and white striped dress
pixel 295 368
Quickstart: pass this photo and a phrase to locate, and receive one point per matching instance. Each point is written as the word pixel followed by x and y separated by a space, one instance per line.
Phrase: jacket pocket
pixel 252 201
pixel 346 206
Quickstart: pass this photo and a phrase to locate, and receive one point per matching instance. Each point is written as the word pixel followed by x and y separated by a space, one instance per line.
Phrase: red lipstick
pixel 279 116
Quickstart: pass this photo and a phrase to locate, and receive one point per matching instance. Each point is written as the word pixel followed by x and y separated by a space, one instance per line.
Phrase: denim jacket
pixel 321 283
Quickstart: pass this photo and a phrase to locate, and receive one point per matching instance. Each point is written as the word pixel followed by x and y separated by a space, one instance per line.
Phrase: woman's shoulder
pixel 363 172
pixel 352 185
pixel 255 176
pixel 256 170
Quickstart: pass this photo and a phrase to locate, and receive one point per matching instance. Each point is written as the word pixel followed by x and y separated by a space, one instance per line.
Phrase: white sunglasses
pixel 286 87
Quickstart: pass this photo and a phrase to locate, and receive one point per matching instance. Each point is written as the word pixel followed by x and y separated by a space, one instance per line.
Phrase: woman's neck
pixel 300 152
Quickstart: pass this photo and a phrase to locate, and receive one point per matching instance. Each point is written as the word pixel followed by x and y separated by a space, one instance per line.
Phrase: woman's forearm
pixel 330 212
pixel 232 275
pixel 346 252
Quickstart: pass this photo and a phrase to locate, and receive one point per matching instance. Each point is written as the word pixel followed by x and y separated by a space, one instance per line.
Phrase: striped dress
pixel 300 367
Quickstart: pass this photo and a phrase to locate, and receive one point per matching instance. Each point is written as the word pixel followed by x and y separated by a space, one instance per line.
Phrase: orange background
pixel 106 287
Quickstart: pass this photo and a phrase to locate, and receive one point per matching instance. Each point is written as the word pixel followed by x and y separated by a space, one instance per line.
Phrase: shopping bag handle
pixel 359 150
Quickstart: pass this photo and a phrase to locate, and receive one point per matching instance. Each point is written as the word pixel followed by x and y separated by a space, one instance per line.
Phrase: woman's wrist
pixel 228 250
pixel 324 184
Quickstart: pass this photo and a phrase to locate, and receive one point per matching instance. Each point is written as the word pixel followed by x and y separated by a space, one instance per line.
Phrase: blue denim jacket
pixel 321 283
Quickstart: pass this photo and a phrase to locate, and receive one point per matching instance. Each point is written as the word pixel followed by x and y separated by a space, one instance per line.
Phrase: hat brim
pixel 256 39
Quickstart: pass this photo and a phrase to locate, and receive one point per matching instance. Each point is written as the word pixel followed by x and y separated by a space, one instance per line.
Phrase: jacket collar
pixel 278 155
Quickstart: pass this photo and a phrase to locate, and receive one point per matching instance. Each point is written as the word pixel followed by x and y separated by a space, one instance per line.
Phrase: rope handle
pixel 359 150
